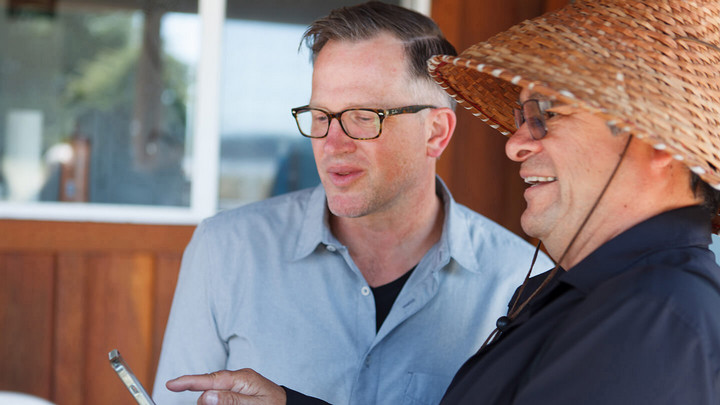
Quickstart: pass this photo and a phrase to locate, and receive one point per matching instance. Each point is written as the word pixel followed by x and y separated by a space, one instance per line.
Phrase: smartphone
pixel 131 382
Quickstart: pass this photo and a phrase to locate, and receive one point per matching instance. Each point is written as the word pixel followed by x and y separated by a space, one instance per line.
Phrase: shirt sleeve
pixel 640 350
pixel 191 344
pixel 296 398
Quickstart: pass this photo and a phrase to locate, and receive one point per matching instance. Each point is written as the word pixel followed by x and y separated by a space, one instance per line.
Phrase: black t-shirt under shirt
pixel 385 296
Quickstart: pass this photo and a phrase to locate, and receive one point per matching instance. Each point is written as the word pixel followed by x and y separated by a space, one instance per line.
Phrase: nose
pixel 521 145
pixel 337 141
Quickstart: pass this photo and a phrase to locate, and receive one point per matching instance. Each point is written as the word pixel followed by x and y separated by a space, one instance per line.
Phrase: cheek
pixel 585 173
pixel 317 145
pixel 392 159
pixel 401 148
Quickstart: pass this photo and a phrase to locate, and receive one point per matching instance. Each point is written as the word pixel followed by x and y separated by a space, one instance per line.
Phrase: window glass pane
pixel 265 75
pixel 95 100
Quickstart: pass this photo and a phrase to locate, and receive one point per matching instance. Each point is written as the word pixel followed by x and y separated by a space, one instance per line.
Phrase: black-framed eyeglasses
pixel 357 123
pixel 535 113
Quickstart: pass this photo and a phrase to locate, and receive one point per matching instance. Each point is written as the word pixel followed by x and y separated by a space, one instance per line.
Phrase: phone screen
pixel 129 379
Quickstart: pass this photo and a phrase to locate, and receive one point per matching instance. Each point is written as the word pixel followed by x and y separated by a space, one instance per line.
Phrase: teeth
pixel 539 179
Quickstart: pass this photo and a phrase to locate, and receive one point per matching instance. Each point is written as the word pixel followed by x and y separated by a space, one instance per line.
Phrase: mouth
pixel 538 180
pixel 344 176
pixel 342 173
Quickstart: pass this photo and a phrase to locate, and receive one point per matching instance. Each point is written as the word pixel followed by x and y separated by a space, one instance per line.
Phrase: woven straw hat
pixel 650 68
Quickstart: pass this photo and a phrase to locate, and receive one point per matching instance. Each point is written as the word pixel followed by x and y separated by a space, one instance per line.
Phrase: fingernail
pixel 211 398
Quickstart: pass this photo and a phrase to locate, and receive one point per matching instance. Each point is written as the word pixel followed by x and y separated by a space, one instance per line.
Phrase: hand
pixel 241 387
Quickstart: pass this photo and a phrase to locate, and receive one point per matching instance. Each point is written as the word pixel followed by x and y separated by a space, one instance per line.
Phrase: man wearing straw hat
pixel 615 109
pixel 344 291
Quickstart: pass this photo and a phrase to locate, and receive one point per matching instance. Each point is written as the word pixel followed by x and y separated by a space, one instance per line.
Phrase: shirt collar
pixel 682 227
pixel 455 241
pixel 456 236
pixel 315 227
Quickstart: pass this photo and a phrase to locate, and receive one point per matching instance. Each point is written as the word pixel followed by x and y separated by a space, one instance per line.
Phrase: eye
pixel 319 117
pixel 362 117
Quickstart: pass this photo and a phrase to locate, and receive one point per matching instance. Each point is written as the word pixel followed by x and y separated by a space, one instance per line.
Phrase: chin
pixel 531 225
pixel 348 213
pixel 346 209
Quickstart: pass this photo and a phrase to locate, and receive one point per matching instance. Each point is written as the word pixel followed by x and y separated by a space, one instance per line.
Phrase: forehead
pixel 354 73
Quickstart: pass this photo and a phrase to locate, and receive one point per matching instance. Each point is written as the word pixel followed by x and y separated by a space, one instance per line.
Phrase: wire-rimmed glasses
pixel 535 113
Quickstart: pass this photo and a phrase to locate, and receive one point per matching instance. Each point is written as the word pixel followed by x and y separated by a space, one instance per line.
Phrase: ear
pixel 675 177
pixel 440 128
pixel 661 158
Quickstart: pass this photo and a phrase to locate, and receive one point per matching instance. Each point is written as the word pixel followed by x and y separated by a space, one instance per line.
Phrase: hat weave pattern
pixel 649 68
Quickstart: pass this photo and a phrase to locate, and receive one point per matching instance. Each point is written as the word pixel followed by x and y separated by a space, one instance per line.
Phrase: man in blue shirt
pixel 373 287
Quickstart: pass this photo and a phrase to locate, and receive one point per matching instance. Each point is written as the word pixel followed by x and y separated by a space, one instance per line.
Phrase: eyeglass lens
pixel 359 124
pixel 534 115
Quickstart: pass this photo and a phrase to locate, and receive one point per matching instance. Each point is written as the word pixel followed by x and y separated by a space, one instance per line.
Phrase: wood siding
pixel 71 292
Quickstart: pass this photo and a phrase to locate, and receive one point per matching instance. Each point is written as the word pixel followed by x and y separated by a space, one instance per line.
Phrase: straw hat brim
pixel 649 68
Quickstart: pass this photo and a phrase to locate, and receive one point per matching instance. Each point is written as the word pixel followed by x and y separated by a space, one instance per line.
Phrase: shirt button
pixel 331 248
pixel 365 291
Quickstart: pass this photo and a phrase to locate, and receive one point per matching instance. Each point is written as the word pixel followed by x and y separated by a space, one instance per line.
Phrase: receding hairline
pixel 419 82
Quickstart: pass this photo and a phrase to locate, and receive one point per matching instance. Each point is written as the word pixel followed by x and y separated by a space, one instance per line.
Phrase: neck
pixel 386 244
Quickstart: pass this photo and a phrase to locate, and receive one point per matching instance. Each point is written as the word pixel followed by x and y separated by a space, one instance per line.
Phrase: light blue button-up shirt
pixel 267 286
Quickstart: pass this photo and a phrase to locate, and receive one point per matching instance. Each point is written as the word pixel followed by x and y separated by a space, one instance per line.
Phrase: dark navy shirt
pixel 636 322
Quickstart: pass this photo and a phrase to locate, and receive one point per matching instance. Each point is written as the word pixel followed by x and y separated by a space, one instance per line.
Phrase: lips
pixel 343 176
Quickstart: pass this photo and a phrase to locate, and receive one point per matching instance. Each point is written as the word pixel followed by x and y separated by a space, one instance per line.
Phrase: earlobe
pixel 440 130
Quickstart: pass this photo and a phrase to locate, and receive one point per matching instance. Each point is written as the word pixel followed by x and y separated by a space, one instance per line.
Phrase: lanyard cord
pixel 515 310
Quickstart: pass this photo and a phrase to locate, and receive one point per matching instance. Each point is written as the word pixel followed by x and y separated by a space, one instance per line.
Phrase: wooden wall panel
pixel 71 292
pixel 20 235
pixel 26 323
pixel 551 5
pixel 121 289
pixel 71 329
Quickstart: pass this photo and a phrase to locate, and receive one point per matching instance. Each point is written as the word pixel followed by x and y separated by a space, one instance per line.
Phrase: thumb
pixel 229 398
pixel 208 398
